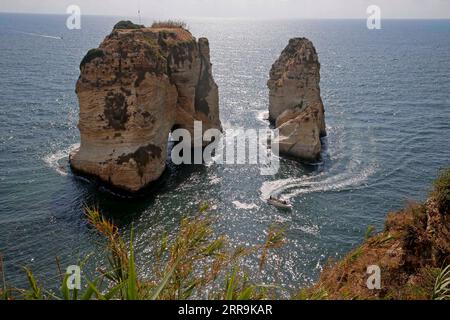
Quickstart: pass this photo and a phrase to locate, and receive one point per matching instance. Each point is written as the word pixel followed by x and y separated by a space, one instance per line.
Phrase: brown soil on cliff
pixel 411 251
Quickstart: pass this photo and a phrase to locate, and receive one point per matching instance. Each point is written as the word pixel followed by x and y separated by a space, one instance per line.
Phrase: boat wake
pixel 263 117
pixel 293 187
pixel 245 206
pixel 59 160
pixel 346 173
pixel 39 35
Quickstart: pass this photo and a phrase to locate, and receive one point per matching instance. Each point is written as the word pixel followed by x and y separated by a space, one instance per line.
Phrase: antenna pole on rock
pixel 139 11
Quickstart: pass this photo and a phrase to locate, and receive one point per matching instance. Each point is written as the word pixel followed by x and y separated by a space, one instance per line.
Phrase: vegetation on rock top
pixel 127 24
pixel 441 191
pixel 170 24
pixel 91 55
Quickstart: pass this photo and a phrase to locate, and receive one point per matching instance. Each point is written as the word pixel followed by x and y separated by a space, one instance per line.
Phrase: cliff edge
pixel 411 253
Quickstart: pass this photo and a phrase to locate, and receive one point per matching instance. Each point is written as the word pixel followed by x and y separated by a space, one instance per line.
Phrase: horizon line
pixel 219 17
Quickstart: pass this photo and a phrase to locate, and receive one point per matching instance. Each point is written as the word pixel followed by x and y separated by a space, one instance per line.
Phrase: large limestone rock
pixel 133 90
pixel 295 105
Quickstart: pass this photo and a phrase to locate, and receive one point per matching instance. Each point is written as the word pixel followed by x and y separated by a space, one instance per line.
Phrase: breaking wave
pixel 245 206
pixel 263 116
pixel 55 160
pixel 39 35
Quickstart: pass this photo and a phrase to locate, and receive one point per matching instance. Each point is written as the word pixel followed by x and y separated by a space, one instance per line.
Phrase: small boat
pixel 279 203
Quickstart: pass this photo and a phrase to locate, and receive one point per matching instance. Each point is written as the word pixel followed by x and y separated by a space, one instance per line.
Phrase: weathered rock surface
pixel 295 105
pixel 133 90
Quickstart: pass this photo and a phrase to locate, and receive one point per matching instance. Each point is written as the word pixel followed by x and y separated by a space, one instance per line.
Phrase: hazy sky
pixel 238 8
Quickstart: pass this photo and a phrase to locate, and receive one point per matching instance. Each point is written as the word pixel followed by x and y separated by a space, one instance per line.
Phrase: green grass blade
pixel 246 294
pixel 96 291
pixel 89 291
pixel 113 292
pixel 164 282
pixel 230 285
pixel 132 291
pixel 65 289
pixel 35 291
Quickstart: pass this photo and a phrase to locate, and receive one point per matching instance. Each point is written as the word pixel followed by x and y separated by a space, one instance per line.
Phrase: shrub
pixel 169 24
pixel 441 191
pixel 441 289
pixel 193 264
pixel 127 25
pixel 91 55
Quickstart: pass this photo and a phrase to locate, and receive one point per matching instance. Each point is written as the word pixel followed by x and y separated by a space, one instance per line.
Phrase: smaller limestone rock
pixel 296 107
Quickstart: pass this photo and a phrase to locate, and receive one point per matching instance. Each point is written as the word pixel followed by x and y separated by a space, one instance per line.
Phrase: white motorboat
pixel 279 203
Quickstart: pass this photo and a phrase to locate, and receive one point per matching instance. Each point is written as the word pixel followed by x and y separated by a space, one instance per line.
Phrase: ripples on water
pixel 387 98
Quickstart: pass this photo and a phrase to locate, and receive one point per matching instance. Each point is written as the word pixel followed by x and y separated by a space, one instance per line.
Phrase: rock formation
pixel 295 105
pixel 133 90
